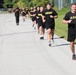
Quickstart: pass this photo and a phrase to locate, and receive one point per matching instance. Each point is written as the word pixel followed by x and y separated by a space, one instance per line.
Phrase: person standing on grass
pixel 49 19
pixel 70 19
pixel 17 14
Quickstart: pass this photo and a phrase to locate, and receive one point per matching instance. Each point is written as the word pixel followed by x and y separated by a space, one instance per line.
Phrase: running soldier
pixel 33 15
pixel 23 13
pixel 40 22
pixel 49 19
pixel 17 15
pixel 70 19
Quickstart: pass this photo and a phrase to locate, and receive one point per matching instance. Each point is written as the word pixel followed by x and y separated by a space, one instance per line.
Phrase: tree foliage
pixel 25 3
pixel 7 3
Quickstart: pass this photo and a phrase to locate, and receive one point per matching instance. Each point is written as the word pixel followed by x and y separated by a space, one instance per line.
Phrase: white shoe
pixel 52 42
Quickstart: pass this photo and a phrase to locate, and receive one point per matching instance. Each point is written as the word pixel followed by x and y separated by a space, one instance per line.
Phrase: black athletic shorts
pixel 71 34
pixel 49 25
pixel 33 18
pixel 41 24
pixel 36 20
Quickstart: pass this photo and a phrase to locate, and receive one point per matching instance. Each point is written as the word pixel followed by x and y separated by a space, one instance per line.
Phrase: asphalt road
pixel 23 53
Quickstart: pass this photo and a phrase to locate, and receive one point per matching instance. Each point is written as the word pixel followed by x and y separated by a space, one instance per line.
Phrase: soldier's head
pixel 41 8
pixel 73 7
pixel 38 8
pixel 48 6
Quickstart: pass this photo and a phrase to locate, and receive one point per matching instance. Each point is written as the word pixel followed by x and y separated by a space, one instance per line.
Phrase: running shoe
pixel 34 28
pixel 17 23
pixel 41 38
pixel 49 43
pixel 52 42
pixel 74 57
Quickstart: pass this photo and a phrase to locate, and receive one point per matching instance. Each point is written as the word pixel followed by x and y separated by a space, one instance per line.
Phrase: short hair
pixel 48 4
pixel 73 4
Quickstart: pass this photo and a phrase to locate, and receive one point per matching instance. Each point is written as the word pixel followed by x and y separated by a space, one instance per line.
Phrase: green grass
pixel 4 12
pixel 60 28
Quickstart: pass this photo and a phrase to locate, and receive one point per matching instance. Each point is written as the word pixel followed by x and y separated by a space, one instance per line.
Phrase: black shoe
pixel 74 57
pixel 49 44
pixel 41 38
pixel 17 23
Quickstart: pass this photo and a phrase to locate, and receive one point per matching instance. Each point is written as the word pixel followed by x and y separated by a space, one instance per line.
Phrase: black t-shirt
pixel 39 15
pixel 17 12
pixel 71 16
pixel 23 13
pixel 34 14
pixel 47 14
pixel 27 11
pixel 31 13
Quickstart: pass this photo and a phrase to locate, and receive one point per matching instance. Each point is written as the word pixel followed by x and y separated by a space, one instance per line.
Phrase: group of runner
pixel 23 12
pixel 45 19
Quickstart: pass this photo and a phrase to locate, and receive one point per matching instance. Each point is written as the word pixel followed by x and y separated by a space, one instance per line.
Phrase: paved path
pixel 22 52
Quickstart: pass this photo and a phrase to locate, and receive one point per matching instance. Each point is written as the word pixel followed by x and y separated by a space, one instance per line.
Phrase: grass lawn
pixel 4 12
pixel 61 29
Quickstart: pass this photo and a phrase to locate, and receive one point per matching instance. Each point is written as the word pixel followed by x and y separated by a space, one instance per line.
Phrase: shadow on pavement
pixel 62 45
pixel 59 37
pixel 18 33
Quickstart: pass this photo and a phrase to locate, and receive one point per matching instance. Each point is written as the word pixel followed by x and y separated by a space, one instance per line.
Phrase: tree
pixel 39 2
pixel 21 4
pixel 1 3
pixel 14 2
pixel 8 3
pixel 25 3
